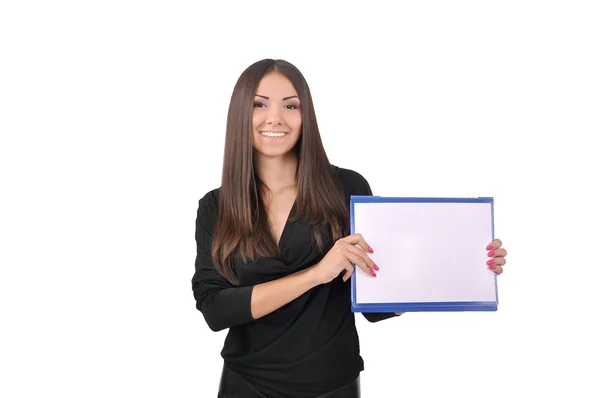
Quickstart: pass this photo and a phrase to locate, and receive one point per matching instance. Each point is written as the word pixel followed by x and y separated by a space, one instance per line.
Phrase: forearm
pixel 225 308
pixel 269 296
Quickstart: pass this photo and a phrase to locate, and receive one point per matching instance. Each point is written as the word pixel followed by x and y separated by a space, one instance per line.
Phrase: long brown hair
pixel 242 226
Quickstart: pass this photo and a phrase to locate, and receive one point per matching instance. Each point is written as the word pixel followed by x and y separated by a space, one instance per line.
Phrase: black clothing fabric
pixel 233 385
pixel 306 348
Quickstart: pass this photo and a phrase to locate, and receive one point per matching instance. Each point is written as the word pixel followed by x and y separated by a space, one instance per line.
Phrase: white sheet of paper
pixel 426 252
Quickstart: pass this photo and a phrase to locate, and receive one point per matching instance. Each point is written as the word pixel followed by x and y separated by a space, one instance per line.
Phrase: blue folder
pixel 424 305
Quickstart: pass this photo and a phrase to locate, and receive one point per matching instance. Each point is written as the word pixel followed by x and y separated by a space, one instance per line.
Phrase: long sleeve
pixel 222 304
pixel 378 316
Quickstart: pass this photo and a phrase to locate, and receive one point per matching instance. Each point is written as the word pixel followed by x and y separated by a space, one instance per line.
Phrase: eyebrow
pixel 284 98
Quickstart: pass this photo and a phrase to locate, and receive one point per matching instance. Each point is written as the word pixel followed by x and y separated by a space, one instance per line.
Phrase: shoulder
pixel 210 200
pixel 353 182
pixel 208 208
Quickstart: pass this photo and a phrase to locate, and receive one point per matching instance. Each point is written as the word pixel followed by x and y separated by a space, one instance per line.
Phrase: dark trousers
pixel 234 386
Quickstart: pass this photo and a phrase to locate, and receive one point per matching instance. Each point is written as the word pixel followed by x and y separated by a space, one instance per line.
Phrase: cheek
pixel 257 120
pixel 295 122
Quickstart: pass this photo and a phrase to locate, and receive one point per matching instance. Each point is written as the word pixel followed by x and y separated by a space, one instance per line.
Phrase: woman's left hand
pixel 497 261
pixel 497 253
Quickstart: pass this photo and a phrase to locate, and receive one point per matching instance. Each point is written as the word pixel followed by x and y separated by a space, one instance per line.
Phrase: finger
pixel 357 239
pixel 495 244
pixel 496 261
pixel 349 271
pixel 496 268
pixel 359 261
pixel 367 260
pixel 497 253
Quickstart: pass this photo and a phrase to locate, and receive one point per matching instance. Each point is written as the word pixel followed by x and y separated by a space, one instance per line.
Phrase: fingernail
pixel 375 267
pixel 370 250
pixel 491 262
pixel 489 247
pixel 492 267
pixel 373 273
pixel 491 254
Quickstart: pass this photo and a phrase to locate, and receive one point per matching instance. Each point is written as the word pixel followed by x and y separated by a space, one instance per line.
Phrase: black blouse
pixel 309 346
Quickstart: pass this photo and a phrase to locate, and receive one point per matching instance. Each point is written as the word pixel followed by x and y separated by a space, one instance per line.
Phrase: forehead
pixel 277 85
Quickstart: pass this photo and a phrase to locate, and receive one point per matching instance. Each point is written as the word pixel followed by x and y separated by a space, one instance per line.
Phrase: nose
pixel 274 116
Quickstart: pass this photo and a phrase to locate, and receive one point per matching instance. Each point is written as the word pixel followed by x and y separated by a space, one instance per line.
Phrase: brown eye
pixel 259 105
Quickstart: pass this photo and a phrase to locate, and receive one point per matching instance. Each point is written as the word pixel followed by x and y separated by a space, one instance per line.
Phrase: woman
pixel 274 254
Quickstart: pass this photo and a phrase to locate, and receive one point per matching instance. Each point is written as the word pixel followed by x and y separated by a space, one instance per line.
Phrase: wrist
pixel 311 276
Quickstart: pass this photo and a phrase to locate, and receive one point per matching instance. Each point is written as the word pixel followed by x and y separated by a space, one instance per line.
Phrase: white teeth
pixel 271 134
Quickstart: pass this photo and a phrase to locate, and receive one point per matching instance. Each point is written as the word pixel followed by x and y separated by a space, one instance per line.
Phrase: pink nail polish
pixel 375 267
pixel 370 250
pixel 492 267
pixel 373 273
pixel 491 262
pixel 489 247
pixel 491 254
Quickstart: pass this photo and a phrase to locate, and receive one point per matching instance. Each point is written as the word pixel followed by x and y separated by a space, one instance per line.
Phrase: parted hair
pixel 242 226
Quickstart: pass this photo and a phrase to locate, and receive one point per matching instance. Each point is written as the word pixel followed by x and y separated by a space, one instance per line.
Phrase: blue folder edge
pixel 420 306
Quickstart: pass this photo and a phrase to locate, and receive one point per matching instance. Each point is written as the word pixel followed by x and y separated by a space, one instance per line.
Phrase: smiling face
pixel 276 116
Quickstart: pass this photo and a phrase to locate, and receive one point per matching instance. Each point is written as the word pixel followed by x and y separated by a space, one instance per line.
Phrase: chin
pixel 271 152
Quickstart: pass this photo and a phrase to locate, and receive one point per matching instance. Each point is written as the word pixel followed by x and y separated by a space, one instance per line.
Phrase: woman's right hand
pixel 342 256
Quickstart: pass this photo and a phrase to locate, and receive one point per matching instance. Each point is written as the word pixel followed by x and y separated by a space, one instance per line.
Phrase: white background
pixel 112 115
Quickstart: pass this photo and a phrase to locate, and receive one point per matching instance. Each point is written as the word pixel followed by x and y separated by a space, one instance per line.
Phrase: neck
pixel 276 173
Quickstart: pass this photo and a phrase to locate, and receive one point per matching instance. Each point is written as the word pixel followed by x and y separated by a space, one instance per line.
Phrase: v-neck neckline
pixel 286 226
